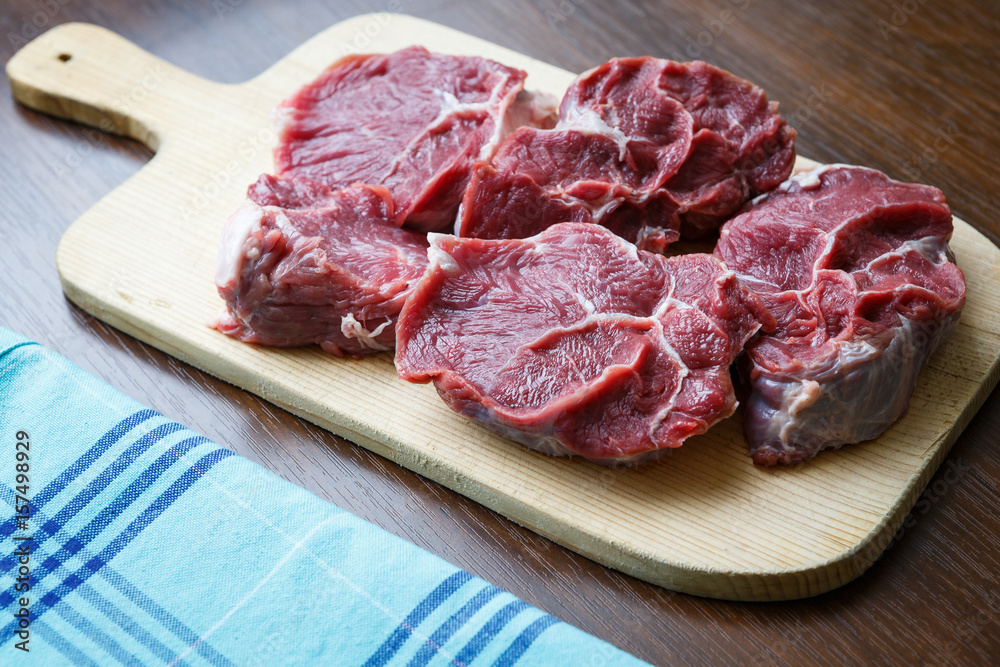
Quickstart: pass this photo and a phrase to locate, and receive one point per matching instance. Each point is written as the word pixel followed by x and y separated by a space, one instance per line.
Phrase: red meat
pixel 857 271
pixel 411 121
pixel 574 342
pixel 301 264
pixel 651 149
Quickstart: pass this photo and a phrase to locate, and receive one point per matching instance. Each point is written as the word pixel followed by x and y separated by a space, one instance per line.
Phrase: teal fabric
pixel 149 544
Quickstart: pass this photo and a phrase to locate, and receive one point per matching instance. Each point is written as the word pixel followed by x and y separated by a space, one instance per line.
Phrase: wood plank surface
pixel 918 101
pixel 143 260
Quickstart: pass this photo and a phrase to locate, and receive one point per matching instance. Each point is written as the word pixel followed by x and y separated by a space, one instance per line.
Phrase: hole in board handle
pixel 65 57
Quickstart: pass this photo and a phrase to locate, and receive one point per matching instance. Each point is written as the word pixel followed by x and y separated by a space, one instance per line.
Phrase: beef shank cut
pixel 857 271
pixel 411 121
pixel 651 149
pixel 574 342
pixel 302 264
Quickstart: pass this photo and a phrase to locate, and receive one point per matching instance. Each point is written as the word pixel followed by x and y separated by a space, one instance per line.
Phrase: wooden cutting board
pixel 703 520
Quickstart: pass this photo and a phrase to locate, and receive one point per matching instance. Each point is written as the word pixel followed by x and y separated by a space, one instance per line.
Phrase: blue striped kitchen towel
pixel 130 539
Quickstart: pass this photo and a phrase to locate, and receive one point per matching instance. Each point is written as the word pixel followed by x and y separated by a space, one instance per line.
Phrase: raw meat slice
pixel 857 270
pixel 574 342
pixel 411 121
pixel 649 148
pixel 741 146
pixel 301 264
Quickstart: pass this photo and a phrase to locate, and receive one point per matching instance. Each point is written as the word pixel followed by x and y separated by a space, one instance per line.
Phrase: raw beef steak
pixel 301 264
pixel 575 343
pixel 648 148
pixel 411 121
pixel 857 270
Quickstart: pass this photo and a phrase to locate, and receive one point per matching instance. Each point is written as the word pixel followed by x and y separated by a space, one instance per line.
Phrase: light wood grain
pixel 703 521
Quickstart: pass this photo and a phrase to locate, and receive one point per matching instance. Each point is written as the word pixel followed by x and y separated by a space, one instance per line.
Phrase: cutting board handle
pixel 88 74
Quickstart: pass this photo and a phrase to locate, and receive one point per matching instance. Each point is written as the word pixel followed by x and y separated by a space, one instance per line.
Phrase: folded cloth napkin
pixel 130 539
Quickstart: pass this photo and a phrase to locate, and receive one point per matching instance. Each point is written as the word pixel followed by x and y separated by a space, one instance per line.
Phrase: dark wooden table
pixel 909 87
